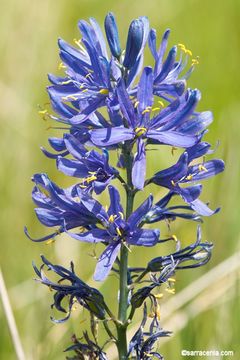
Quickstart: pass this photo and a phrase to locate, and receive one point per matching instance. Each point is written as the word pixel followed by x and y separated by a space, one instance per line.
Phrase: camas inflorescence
pixel 109 102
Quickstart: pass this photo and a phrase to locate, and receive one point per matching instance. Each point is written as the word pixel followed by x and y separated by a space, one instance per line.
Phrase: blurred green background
pixel 28 46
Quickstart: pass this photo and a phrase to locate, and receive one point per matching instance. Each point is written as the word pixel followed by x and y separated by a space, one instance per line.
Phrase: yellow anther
pixel 51 241
pixel 88 75
pixel 136 104
pixel 158 296
pixel 171 280
pixel 131 97
pixel 195 61
pixel 147 110
pixel 61 66
pixel 104 91
pixel 156 108
pixel 182 46
pixel 174 237
pixel 173 183
pixel 77 42
pixel 92 172
pixel 106 208
pixel 188 52
pixel 82 86
pixel 121 215
pixel 42 112
pixel 82 186
pixel 189 177
pixel 170 291
pixel 139 131
pixel 118 231
pixel 66 82
pixel 148 354
pixel 155 312
pixel 85 90
pixel 161 103
pixel 90 178
pixel 69 97
pixel 201 167
pixel 185 50
pixel 111 218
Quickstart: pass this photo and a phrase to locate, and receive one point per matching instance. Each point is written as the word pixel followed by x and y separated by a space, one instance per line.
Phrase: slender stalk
pixel 10 319
pixel 123 283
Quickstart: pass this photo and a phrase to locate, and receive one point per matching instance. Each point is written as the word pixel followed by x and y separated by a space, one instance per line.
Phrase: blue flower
pixel 168 81
pixel 93 168
pixel 185 173
pixel 91 76
pixel 160 211
pixel 192 256
pixel 115 229
pixel 70 287
pixel 141 345
pixel 176 125
pixel 87 349
pixel 58 207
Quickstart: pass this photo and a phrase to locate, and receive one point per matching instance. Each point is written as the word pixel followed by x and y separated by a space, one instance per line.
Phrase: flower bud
pixel 134 43
pixel 112 35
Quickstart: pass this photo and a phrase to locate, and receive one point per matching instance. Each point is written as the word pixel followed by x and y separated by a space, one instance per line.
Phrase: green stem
pixel 123 283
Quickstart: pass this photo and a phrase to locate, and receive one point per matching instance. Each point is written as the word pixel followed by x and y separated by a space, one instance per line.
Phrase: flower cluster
pixel 109 102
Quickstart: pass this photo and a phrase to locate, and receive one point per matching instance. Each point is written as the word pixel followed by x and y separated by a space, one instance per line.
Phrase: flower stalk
pixel 158 109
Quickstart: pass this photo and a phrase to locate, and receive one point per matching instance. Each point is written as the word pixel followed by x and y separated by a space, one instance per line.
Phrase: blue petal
pixel 111 136
pixel 92 106
pixel 72 167
pixel 57 143
pixel 190 193
pixel 93 236
pixel 144 237
pixel 90 36
pixel 175 172
pixel 44 238
pixel 134 71
pixel 202 209
pixel 197 124
pixel 211 168
pixel 172 89
pixel 74 53
pixel 136 217
pixel 99 35
pixel 139 165
pixel 167 65
pixel 115 207
pixel 106 260
pixel 161 52
pixel 126 105
pixel 152 43
pixel 94 207
pixel 145 89
pixel 74 147
pixel 173 138
pixel 49 218
pixel 184 113
pixel 198 150
pixel 52 155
